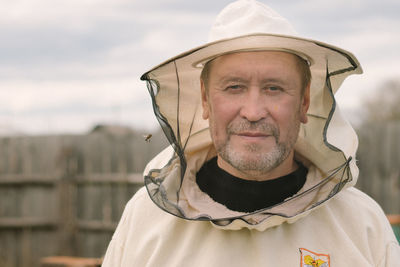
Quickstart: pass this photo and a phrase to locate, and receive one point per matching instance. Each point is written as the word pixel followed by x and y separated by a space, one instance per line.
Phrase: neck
pixel 288 166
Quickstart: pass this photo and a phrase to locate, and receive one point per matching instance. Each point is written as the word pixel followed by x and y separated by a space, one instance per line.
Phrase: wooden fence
pixel 379 162
pixel 63 195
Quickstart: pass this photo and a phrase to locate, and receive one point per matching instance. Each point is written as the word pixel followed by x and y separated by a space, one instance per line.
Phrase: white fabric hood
pixel 327 144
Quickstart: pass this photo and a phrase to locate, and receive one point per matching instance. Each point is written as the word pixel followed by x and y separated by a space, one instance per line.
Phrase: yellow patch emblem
pixel 312 259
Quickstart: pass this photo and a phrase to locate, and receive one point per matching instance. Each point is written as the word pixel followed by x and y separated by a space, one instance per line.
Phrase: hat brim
pixel 316 53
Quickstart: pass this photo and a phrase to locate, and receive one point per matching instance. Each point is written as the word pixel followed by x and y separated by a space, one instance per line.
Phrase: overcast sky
pixel 68 65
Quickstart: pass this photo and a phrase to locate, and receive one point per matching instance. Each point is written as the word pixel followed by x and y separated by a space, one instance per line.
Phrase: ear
pixel 204 100
pixel 305 104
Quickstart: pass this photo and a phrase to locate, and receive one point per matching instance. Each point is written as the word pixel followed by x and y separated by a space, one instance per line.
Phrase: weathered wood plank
pixel 135 178
pixel 92 225
pixel 21 179
pixel 15 179
pixel 27 223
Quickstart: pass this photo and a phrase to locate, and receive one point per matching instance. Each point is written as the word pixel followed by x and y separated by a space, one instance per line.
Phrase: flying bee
pixel 147 137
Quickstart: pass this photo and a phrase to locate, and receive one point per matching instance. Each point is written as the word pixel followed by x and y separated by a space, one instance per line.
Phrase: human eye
pixel 234 88
pixel 273 88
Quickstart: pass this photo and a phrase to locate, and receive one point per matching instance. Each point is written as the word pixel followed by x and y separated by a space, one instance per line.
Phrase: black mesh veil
pixel 174 87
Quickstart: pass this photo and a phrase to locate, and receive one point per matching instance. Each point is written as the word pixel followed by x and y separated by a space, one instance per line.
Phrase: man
pixel 261 164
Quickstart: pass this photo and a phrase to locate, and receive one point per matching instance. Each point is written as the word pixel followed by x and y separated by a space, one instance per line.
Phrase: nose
pixel 253 107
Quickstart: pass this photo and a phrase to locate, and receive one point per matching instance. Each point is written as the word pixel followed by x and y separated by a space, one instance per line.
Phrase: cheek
pixel 285 114
pixel 221 113
pixel 279 109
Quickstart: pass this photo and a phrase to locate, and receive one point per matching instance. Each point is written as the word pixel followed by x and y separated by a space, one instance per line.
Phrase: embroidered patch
pixel 312 259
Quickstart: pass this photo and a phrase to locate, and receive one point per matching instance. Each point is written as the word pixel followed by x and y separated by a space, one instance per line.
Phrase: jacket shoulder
pixel 140 208
pixel 362 222
pixel 364 219
pixel 354 205
pixel 358 202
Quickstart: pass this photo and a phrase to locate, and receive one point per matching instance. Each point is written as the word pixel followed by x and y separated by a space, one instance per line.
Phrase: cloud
pixel 375 42
pixel 56 76
pixel 24 96
pixel 74 122
pixel 74 106
pixel 45 43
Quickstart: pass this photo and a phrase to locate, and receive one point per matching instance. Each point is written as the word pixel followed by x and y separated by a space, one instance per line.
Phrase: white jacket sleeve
pixel 392 257
pixel 115 250
pixel 113 255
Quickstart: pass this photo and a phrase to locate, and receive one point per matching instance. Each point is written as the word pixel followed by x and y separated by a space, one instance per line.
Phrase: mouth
pixel 253 135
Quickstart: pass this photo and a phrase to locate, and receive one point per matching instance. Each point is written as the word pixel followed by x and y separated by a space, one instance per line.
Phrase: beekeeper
pixel 261 166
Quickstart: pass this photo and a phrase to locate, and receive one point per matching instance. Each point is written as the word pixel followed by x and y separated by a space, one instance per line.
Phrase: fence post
pixel 67 201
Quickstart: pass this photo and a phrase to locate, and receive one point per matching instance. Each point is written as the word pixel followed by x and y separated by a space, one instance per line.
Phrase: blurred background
pixel 73 111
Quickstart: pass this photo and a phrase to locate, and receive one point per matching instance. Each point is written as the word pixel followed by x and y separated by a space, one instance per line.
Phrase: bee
pixel 147 137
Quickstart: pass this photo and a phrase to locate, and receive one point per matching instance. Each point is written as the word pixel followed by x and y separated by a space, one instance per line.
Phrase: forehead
pixel 256 56
pixel 263 62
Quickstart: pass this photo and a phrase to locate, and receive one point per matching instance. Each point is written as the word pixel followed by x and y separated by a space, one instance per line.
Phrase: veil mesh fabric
pixel 175 90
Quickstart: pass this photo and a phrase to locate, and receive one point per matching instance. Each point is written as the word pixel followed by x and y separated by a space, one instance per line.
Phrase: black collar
pixel 244 195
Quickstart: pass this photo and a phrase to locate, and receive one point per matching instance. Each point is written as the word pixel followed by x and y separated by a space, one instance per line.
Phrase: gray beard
pixel 256 161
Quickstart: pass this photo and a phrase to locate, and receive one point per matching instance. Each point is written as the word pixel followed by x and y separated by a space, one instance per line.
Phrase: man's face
pixel 254 104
